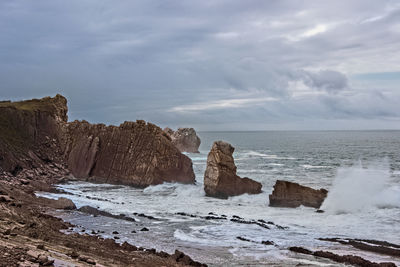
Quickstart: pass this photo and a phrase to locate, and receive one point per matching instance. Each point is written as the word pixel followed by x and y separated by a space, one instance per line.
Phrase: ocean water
pixel 361 170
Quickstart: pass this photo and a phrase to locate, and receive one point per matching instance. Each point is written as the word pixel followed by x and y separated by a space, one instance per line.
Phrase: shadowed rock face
pixel 135 153
pixel 185 139
pixel 293 195
pixel 36 132
pixel 220 179
pixel 30 132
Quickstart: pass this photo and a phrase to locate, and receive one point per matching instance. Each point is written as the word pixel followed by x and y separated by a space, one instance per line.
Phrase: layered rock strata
pixel 135 153
pixel 30 133
pixel 220 178
pixel 293 195
pixel 185 139
pixel 35 133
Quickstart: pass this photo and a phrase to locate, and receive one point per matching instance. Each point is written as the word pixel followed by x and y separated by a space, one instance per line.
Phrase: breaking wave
pixel 360 188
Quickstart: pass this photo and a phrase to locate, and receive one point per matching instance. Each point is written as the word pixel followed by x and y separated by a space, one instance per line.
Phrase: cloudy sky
pixel 212 65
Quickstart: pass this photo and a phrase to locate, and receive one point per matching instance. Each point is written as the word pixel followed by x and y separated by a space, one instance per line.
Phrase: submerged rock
pixel 293 195
pixel 185 139
pixel 346 259
pixel 220 179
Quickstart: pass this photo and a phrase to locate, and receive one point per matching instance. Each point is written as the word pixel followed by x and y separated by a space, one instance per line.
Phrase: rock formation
pixel 35 133
pixel 135 153
pixel 185 139
pixel 293 195
pixel 220 179
pixel 30 133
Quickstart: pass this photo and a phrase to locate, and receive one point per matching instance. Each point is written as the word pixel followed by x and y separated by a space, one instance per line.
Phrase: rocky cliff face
pixel 36 132
pixel 220 179
pixel 135 153
pixel 185 139
pixel 30 133
pixel 292 195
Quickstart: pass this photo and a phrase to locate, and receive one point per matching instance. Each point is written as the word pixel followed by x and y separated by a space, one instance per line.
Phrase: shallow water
pixel 361 169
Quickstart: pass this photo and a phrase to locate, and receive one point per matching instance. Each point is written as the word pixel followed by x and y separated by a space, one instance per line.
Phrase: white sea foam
pixel 275 164
pixel 253 171
pixel 255 154
pixel 181 235
pixel 307 166
pixel 360 188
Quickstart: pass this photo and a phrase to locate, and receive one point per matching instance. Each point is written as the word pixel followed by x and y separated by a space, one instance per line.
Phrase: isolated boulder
pixel 293 195
pixel 185 139
pixel 220 179
pixel 61 203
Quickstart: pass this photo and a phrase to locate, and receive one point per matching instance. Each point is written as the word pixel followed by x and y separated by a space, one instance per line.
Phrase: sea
pixel 360 169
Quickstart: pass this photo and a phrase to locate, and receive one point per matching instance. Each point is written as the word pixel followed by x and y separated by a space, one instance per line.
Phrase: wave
pixel 175 189
pixel 181 235
pixel 358 188
pixel 275 164
pixel 253 171
pixel 255 154
pixel 306 166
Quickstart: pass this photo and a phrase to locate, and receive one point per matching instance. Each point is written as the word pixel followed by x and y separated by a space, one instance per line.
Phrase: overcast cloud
pixel 212 65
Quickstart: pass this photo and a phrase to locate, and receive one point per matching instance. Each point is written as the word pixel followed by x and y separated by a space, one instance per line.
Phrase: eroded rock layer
pixel 220 178
pixel 293 195
pixel 30 133
pixel 135 153
pixel 36 133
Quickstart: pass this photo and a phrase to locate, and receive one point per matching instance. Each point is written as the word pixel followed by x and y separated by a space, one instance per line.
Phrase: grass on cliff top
pixel 11 134
pixel 30 105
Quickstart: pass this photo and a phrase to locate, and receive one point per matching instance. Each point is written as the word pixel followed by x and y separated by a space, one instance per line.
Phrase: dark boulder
pixel 293 195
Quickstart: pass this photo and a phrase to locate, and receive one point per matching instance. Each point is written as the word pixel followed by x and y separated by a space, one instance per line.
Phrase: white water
pixel 359 188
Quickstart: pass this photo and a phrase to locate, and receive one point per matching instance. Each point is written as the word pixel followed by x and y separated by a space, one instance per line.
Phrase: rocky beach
pixel 49 218
pixel 40 148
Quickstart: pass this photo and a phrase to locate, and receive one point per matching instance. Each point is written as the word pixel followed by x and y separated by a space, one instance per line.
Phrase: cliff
pixel 135 153
pixel 30 133
pixel 36 133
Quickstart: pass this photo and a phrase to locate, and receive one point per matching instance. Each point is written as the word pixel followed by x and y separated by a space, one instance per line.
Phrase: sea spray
pixel 359 188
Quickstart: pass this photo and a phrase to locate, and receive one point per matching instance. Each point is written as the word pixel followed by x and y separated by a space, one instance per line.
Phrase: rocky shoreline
pixel 31 237
pixel 40 148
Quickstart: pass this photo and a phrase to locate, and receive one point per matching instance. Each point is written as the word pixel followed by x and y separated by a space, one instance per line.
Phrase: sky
pixel 212 65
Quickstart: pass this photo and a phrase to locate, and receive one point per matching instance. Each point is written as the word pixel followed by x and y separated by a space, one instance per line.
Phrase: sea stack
pixel 292 195
pixel 220 178
pixel 185 139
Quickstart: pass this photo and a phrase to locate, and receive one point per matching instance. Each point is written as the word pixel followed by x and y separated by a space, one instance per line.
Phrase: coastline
pixel 28 231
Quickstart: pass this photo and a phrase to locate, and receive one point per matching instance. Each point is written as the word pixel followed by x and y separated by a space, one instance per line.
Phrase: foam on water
pixel 307 166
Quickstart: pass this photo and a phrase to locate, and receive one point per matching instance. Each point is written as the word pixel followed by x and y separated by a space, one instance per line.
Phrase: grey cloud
pixel 147 57
pixel 328 80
